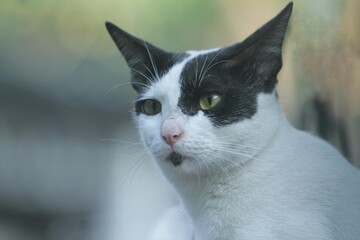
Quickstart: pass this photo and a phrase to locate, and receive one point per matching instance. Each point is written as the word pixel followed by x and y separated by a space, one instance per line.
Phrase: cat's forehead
pixel 168 87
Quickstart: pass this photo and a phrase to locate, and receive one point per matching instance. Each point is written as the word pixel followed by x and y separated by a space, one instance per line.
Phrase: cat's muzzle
pixel 175 158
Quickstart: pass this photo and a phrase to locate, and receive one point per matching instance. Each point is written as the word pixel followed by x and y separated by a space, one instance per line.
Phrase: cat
pixel 213 123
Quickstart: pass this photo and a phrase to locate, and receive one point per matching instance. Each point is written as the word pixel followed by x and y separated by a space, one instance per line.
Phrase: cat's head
pixel 206 111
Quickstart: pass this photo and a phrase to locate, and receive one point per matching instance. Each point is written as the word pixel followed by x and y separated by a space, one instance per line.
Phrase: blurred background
pixel 71 166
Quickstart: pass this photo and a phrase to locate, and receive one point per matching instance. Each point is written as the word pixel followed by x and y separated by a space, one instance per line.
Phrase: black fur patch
pixel 175 158
pixel 237 88
pixel 238 73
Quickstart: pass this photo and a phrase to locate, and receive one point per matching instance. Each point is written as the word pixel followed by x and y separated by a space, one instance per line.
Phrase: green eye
pixel 151 107
pixel 209 101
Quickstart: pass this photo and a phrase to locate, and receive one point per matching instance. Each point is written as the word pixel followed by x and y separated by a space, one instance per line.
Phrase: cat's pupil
pixel 209 100
pixel 154 106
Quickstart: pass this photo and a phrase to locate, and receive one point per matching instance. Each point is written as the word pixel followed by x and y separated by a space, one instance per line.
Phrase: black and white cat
pixel 213 124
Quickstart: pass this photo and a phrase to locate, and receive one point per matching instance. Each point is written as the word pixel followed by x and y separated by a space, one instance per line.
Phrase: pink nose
pixel 172 131
pixel 172 138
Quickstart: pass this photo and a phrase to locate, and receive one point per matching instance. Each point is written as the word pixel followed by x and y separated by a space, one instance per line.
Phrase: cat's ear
pixel 261 52
pixel 145 60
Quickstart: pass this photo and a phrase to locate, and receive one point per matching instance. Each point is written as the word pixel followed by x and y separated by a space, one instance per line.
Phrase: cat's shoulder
pixel 301 153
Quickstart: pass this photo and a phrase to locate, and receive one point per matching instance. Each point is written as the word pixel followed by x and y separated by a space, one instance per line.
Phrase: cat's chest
pixel 223 210
pixel 235 206
pixel 223 219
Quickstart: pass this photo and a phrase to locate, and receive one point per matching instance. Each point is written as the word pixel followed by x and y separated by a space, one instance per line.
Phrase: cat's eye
pixel 209 101
pixel 151 106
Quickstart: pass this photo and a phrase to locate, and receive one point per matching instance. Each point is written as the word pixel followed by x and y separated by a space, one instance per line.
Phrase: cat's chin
pixel 176 158
pixel 180 163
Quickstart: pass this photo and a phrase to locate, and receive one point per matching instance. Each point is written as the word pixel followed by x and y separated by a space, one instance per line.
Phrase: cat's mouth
pixel 175 158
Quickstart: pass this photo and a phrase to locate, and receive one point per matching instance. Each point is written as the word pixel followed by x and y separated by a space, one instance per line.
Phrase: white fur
pixel 175 225
pixel 256 179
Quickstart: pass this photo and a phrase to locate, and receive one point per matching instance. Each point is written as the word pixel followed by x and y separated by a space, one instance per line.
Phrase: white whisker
pixel 145 66
pixel 133 168
pixel 116 86
pixel 144 75
pixel 202 69
pixel 152 61
pixel 118 140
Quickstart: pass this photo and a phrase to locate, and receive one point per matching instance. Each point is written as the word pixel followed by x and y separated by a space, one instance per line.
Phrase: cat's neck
pixel 194 190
